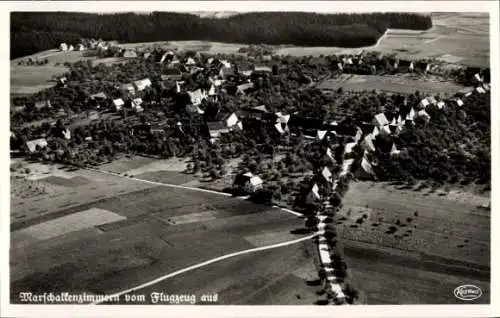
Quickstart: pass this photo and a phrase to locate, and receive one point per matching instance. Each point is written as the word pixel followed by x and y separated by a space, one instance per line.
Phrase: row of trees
pixel 37 31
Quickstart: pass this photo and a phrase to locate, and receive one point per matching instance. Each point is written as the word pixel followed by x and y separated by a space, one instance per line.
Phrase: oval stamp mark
pixel 468 292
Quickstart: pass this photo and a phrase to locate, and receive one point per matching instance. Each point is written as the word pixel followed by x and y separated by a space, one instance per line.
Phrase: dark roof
pixel 367 127
pixel 216 125
pixel 404 63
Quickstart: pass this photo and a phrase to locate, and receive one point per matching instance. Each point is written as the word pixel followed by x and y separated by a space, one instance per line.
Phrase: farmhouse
pixel 247 183
pixel 459 102
pixel 422 66
pixel 80 47
pixel 349 147
pixel 329 154
pixel 366 170
pixel 255 113
pixel 190 61
pixel 244 69
pixel 142 84
pixel 423 103
pixel 440 105
pixel 36 144
pixel 480 90
pixel 63 47
pixel 405 66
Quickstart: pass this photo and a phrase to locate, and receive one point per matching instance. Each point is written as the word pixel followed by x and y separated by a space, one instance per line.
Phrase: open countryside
pixel 251 172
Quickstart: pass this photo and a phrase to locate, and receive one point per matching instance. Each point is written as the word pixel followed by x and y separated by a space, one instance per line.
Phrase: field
pixel 390 84
pixel 31 79
pixel 441 242
pixel 144 231
pixel 455 38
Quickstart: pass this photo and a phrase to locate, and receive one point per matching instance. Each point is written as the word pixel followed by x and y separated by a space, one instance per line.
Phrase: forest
pixel 32 32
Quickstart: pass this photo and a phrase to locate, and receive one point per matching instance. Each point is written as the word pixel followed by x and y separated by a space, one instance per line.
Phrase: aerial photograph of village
pixel 249 158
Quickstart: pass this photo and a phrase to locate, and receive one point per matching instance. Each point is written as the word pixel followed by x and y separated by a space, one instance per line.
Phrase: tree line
pixel 37 31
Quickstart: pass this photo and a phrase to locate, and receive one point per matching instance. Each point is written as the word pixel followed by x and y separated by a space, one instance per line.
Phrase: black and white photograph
pixel 249 154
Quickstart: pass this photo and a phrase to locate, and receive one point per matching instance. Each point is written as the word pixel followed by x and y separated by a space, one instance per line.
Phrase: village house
pixel 128 88
pixel 405 66
pixel 366 170
pixel 349 147
pixel 244 89
pixel 440 105
pixel 380 120
pixel 43 104
pixel 36 144
pixel 320 135
pixel 118 104
pixel 245 69
pixel 80 47
pixel 171 73
pixel 253 113
pixel 330 154
pixel 142 84
pixel 480 90
pixel 18 109
pixel 422 67
pixel 129 54
pixel 63 47
pixel 394 150
pixel 226 73
pixel 216 128
pixel 313 195
pixel 423 103
pixel 247 183
pixel 167 57
pixel 197 97
pixel 459 102
pixel 327 174
pixel 262 69
pixel 367 143
pixel 423 114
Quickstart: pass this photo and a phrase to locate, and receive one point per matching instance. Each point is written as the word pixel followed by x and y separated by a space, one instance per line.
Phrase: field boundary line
pixel 188 188
pixel 205 263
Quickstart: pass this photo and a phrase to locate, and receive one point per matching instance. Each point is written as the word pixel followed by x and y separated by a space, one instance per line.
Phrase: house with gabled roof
pixel 247 182
pixel 424 103
pixel 330 154
pixel 327 174
pixel 480 90
pixel 167 57
pixel 216 128
pixel 367 143
pixel 142 84
pixel 262 69
pixel 320 135
pixel 244 89
pixel 245 69
pixel 128 88
pixel 411 114
pixel 313 195
pixel 226 72
pixel 380 120
pixel 441 105
pixel 394 150
pixel 129 54
pixel 405 66
pixel 459 102
pixel 197 96
pixel 422 66
pixel 423 114
pixel 36 144
pixel 63 47
pixel 171 73
pixel 349 147
pixel 118 104
pixel 366 170
pixel 43 104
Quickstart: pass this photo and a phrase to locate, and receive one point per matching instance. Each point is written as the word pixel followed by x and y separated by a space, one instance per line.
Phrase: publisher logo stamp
pixel 468 292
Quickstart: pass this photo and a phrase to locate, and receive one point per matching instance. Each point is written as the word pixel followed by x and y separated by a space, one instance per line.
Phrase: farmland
pixel 147 231
pixel 389 84
pixel 442 242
